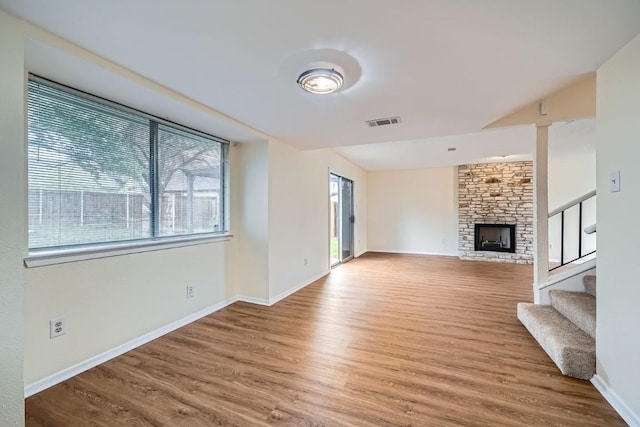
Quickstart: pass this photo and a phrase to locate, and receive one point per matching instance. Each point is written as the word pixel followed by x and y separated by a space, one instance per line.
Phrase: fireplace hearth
pixel 495 237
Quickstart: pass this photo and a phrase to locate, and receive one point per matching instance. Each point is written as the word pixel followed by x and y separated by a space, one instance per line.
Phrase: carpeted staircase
pixel 566 329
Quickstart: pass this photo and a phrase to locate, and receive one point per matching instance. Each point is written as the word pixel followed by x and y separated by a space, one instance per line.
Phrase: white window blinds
pixel 99 173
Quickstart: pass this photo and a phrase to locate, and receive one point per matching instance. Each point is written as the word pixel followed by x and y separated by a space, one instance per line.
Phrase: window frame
pixel 76 252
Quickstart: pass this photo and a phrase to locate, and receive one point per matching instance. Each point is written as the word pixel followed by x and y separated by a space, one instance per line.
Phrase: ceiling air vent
pixel 383 122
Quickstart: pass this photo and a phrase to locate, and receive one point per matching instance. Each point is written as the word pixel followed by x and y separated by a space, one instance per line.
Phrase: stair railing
pixel 563 212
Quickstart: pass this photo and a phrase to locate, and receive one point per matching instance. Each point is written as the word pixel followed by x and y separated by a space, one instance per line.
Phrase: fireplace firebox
pixel 495 237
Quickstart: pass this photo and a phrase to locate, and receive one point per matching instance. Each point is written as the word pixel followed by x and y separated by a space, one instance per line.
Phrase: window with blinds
pixel 100 173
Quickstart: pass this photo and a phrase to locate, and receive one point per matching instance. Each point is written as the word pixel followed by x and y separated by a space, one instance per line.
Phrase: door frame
pixel 339 222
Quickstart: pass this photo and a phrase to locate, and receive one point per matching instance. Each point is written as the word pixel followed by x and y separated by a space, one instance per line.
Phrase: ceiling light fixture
pixel 321 81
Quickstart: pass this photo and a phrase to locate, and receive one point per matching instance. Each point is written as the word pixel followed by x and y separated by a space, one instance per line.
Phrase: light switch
pixel 614 182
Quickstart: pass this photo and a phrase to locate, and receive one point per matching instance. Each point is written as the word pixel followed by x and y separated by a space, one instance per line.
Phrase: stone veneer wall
pixel 496 193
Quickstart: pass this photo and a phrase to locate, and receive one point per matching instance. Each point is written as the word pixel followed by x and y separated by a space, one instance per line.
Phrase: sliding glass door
pixel 341 217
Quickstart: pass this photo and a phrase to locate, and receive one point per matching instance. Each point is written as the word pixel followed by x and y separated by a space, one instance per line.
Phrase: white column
pixel 541 209
pixel 13 214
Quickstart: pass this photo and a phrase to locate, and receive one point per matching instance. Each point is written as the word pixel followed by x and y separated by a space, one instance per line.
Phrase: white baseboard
pixel 94 361
pixel 252 300
pixel 578 269
pixel 413 252
pixel 295 289
pixel 616 402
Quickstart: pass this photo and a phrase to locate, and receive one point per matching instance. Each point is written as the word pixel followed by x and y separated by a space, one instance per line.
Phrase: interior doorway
pixel 341 219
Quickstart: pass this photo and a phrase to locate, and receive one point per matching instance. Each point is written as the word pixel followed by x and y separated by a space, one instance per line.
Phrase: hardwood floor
pixel 383 340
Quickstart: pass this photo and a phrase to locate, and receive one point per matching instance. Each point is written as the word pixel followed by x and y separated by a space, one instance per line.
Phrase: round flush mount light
pixel 321 81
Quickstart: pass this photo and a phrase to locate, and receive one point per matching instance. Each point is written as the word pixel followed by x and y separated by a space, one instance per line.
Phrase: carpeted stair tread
pixel 589 284
pixel 571 349
pixel 578 307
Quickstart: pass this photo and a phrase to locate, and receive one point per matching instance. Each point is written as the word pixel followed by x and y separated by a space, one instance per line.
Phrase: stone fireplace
pixel 495 212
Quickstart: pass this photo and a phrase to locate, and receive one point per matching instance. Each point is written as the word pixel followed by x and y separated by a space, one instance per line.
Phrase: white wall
pixel 299 213
pixel 107 302
pixel 570 177
pixel 250 220
pixel 408 213
pixel 618 148
pixel 413 211
pixel 12 219
pixel 287 222
pixel 280 217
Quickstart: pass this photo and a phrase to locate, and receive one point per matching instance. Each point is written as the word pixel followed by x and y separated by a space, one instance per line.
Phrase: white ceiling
pixel 447 67
pixel 566 139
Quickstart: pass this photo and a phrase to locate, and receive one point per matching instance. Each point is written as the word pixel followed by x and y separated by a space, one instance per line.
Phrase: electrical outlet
pixel 190 291
pixel 57 327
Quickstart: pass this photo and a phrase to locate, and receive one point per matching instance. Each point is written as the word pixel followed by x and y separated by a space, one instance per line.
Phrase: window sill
pixel 51 257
